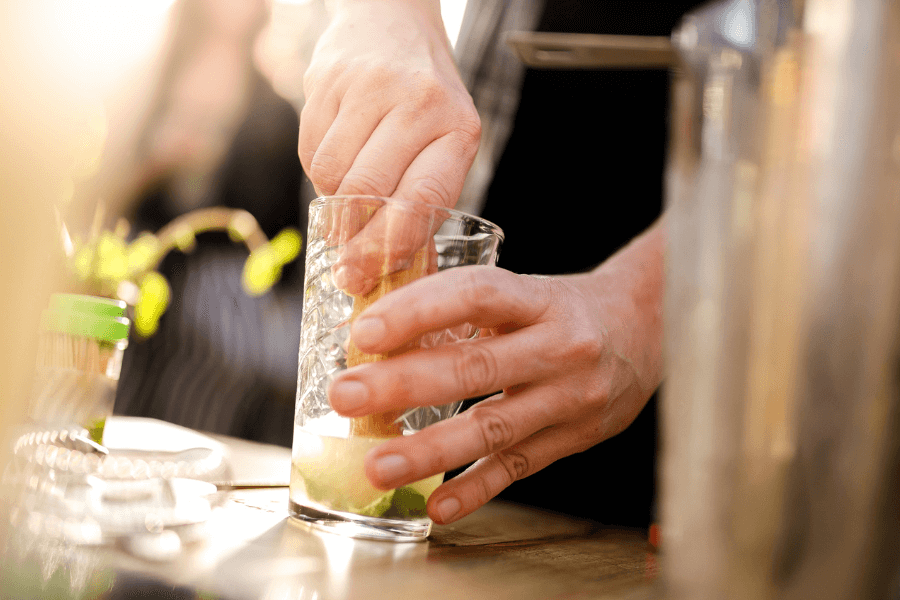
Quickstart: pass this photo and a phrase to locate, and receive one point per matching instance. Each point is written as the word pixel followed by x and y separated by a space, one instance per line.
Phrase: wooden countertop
pixel 254 550
pixel 251 549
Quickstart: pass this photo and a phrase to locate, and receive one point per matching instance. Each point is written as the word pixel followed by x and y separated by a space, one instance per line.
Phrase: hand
pixel 377 237
pixel 386 113
pixel 576 359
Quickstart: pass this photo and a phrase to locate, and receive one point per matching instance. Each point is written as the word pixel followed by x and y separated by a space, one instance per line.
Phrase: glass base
pixel 357 526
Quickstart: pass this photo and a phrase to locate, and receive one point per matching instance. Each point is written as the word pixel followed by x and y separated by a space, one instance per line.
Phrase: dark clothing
pixel 222 361
pixel 582 175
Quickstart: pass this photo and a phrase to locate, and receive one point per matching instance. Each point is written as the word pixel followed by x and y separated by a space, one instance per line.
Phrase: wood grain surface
pixel 252 549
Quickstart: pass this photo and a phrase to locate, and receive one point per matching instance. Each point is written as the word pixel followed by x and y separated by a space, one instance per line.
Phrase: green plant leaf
pixel 263 267
pixel 142 254
pixel 112 259
pixel 153 301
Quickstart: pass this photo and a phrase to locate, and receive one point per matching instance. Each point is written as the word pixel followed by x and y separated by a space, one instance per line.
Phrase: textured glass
pixel 398 242
pixel 460 240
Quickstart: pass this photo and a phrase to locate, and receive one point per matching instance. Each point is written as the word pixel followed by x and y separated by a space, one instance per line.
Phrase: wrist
pixel 628 290
pixel 376 16
pixel 429 7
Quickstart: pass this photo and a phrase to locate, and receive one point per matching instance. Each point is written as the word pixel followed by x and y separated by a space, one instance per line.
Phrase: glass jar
pixel 80 349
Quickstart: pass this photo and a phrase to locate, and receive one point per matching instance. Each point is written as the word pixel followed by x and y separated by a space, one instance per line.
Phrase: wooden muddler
pixel 384 424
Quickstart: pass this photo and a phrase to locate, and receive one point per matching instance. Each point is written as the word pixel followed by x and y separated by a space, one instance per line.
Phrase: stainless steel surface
pixel 780 415
pixel 591 51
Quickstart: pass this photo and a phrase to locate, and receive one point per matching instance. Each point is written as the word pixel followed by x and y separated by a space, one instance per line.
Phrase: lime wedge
pixel 376 508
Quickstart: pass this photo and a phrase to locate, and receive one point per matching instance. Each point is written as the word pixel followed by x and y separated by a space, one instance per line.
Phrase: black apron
pixel 581 175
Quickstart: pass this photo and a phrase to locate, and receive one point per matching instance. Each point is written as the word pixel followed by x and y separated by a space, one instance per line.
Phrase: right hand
pixel 576 357
pixel 386 112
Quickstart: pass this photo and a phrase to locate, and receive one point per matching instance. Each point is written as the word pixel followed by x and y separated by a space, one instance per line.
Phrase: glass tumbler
pixel 358 249
pixel 79 358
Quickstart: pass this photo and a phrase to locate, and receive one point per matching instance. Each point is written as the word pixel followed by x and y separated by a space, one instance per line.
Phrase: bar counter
pixel 251 548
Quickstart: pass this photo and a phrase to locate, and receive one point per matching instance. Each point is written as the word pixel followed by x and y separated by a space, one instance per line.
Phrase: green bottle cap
pixel 94 305
pixel 87 316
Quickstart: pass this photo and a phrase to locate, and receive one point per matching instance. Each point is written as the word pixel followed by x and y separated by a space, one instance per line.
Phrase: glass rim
pixel 489 225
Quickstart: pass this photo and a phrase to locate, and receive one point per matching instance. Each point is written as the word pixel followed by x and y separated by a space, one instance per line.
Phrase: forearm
pixel 429 10
pixel 432 6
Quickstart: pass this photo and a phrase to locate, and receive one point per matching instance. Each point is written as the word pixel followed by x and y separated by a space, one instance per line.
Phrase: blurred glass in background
pixel 216 134
pixel 188 135
pixel 54 128
pixel 121 118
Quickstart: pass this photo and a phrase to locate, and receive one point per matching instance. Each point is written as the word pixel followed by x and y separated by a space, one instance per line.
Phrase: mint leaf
pixel 407 503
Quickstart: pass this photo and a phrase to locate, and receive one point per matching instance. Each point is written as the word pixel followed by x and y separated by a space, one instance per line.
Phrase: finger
pixel 345 217
pixel 339 146
pixel 490 426
pixel 338 220
pixel 434 177
pixel 489 476
pixel 444 374
pixel 386 244
pixel 437 174
pixel 335 221
pixel 318 113
pixel 481 295
pixel 391 148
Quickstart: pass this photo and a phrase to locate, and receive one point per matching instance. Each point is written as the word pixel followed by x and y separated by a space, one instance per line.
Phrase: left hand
pixel 576 359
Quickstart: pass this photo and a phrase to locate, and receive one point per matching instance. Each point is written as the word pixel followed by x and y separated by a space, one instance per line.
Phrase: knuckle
pixel 431 190
pixel 482 492
pixel 502 469
pixel 598 392
pixel 306 142
pixel 585 344
pixel 306 155
pixel 375 76
pixel 432 456
pixel 478 292
pixel 416 314
pixel 400 392
pixel 428 93
pixel 475 369
pixel 546 294
pixel 514 463
pixel 311 78
pixel 325 172
pixel 468 131
pixel 591 436
pixel 495 430
pixel 324 73
pixel 367 180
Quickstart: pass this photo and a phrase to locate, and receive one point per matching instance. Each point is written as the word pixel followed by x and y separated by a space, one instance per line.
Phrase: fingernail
pixel 448 508
pixel 368 330
pixel 340 275
pixel 391 467
pixel 347 278
pixel 351 396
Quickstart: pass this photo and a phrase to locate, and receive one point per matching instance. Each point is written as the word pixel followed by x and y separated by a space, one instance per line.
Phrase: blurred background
pixel 148 151
pixel 138 138
pixel 156 156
